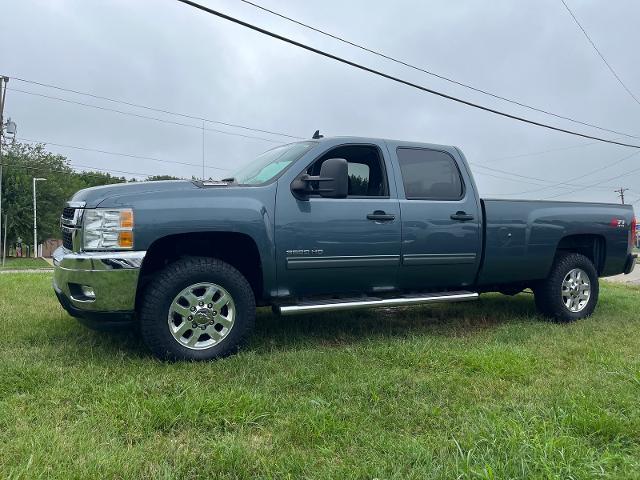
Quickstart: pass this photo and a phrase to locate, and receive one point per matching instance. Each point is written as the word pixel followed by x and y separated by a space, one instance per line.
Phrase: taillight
pixel 632 233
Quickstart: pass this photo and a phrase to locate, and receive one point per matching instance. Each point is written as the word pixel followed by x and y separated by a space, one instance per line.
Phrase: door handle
pixel 461 216
pixel 380 216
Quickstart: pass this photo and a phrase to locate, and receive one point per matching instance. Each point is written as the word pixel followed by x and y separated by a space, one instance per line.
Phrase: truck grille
pixel 70 222
pixel 67 238
pixel 68 213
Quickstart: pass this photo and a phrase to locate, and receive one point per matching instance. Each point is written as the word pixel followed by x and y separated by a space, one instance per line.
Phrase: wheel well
pixel 591 246
pixel 237 249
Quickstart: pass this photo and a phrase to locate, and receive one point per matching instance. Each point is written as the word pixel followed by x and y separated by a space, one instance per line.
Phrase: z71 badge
pixel 618 222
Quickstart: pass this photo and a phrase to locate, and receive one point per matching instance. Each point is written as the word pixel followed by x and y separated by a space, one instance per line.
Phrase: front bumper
pixel 111 276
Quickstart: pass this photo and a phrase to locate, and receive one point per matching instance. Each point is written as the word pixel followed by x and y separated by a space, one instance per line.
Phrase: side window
pixel 367 176
pixel 429 174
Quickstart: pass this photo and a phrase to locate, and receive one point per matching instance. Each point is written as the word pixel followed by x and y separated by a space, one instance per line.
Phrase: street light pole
pixel 35 225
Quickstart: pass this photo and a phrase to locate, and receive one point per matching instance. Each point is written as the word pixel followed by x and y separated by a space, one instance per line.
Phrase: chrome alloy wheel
pixel 576 290
pixel 201 315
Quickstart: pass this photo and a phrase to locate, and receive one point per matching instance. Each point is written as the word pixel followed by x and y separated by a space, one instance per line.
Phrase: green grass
pixel 24 263
pixel 477 390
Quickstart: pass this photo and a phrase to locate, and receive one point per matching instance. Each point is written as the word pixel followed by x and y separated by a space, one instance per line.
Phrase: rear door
pixel 441 218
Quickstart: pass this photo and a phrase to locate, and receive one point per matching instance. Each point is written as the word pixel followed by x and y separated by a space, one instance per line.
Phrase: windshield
pixel 270 163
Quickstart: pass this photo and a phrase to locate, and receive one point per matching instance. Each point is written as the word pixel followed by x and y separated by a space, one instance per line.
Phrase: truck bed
pixel 521 237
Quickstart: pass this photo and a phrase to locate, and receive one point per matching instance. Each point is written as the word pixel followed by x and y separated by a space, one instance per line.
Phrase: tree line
pixel 22 162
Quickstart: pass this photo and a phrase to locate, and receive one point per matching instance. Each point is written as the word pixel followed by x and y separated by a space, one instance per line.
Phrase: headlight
pixel 108 229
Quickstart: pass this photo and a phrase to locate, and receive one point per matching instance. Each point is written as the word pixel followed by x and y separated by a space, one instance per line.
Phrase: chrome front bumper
pixel 112 276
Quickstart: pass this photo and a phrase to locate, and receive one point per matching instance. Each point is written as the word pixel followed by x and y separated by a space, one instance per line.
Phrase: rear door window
pixel 429 175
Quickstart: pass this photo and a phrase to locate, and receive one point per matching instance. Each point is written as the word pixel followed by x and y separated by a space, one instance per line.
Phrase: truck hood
pixel 94 196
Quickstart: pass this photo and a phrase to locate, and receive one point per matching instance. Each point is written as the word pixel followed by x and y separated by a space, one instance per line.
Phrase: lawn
pixel 23 263
pixel 476 390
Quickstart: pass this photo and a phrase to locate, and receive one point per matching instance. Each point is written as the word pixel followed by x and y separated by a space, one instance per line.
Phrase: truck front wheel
pixel 571 290
pixel 197 308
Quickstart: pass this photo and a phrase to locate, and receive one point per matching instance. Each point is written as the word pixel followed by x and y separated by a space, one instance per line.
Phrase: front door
pixel 340 246
pixel 441 224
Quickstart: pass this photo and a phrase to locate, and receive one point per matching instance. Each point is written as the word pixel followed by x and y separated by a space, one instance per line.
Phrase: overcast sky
pixel 164 54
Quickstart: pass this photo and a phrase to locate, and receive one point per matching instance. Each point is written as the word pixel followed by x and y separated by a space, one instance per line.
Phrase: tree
pixel 22 163
pixel 155 178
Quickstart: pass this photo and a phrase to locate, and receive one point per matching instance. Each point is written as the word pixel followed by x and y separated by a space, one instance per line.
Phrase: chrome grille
pixel 70 223
pixel 68 213
pixel 67 238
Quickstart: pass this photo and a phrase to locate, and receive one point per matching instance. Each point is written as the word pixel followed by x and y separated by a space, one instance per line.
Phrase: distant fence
pixel 45 249
pixel 49 246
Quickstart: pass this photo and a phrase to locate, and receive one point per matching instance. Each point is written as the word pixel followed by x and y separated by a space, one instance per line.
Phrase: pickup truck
pixel 321 225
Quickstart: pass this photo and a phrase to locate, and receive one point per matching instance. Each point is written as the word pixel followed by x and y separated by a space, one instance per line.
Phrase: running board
pixel 368 302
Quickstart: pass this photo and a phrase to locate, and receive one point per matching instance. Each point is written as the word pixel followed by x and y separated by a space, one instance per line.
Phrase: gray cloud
pixel 164 54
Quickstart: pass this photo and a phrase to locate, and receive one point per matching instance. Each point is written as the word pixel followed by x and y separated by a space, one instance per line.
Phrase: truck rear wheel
pixel 570 292
pixel 197 308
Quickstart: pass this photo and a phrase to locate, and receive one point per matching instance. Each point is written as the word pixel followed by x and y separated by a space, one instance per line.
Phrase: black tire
pixel 548 293
pixel 161 291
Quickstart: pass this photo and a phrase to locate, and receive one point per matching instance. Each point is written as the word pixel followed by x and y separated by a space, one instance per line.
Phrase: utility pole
pixel 620 193
pixel 10 128
pixel 203 177
pixel 4 252
pixel 35 225
pixel 3 93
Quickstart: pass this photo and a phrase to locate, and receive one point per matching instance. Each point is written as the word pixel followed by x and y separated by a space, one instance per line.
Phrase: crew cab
pixel 320 225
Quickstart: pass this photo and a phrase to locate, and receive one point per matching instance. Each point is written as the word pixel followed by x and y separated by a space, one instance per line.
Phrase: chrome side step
pixel 368 302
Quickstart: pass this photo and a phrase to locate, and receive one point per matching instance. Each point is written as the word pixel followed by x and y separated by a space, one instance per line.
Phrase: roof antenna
pixel 317 135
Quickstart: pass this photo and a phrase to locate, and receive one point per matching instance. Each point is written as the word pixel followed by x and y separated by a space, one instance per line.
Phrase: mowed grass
pixel 476 390
pixel 24 263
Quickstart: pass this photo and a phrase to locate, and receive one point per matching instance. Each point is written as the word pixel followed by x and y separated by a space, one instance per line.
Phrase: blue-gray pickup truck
pixel 320 225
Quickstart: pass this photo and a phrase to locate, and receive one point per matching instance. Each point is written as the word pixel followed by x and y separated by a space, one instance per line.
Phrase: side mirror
pixel 334 175
pixel 333 180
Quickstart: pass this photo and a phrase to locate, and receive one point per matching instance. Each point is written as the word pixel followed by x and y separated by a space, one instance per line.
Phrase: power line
pixel 591 172
pixel 53 170
pixel 600 53
pixel 128 155
pixel 532 178
pixel 231 133
pixel 153 109
pixel 170 161
pixel 190 164
pixel 428 72
pixel 193 126
pixel 504 178
pixel 391 77
pixel 224 169
pixel 197 165
pixel 542 152
pixel 137 115
pixel 595 184
pixel 573 179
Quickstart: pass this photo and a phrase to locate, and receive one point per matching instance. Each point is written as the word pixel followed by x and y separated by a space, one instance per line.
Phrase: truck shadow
pixel 351 327
pixel 336 329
